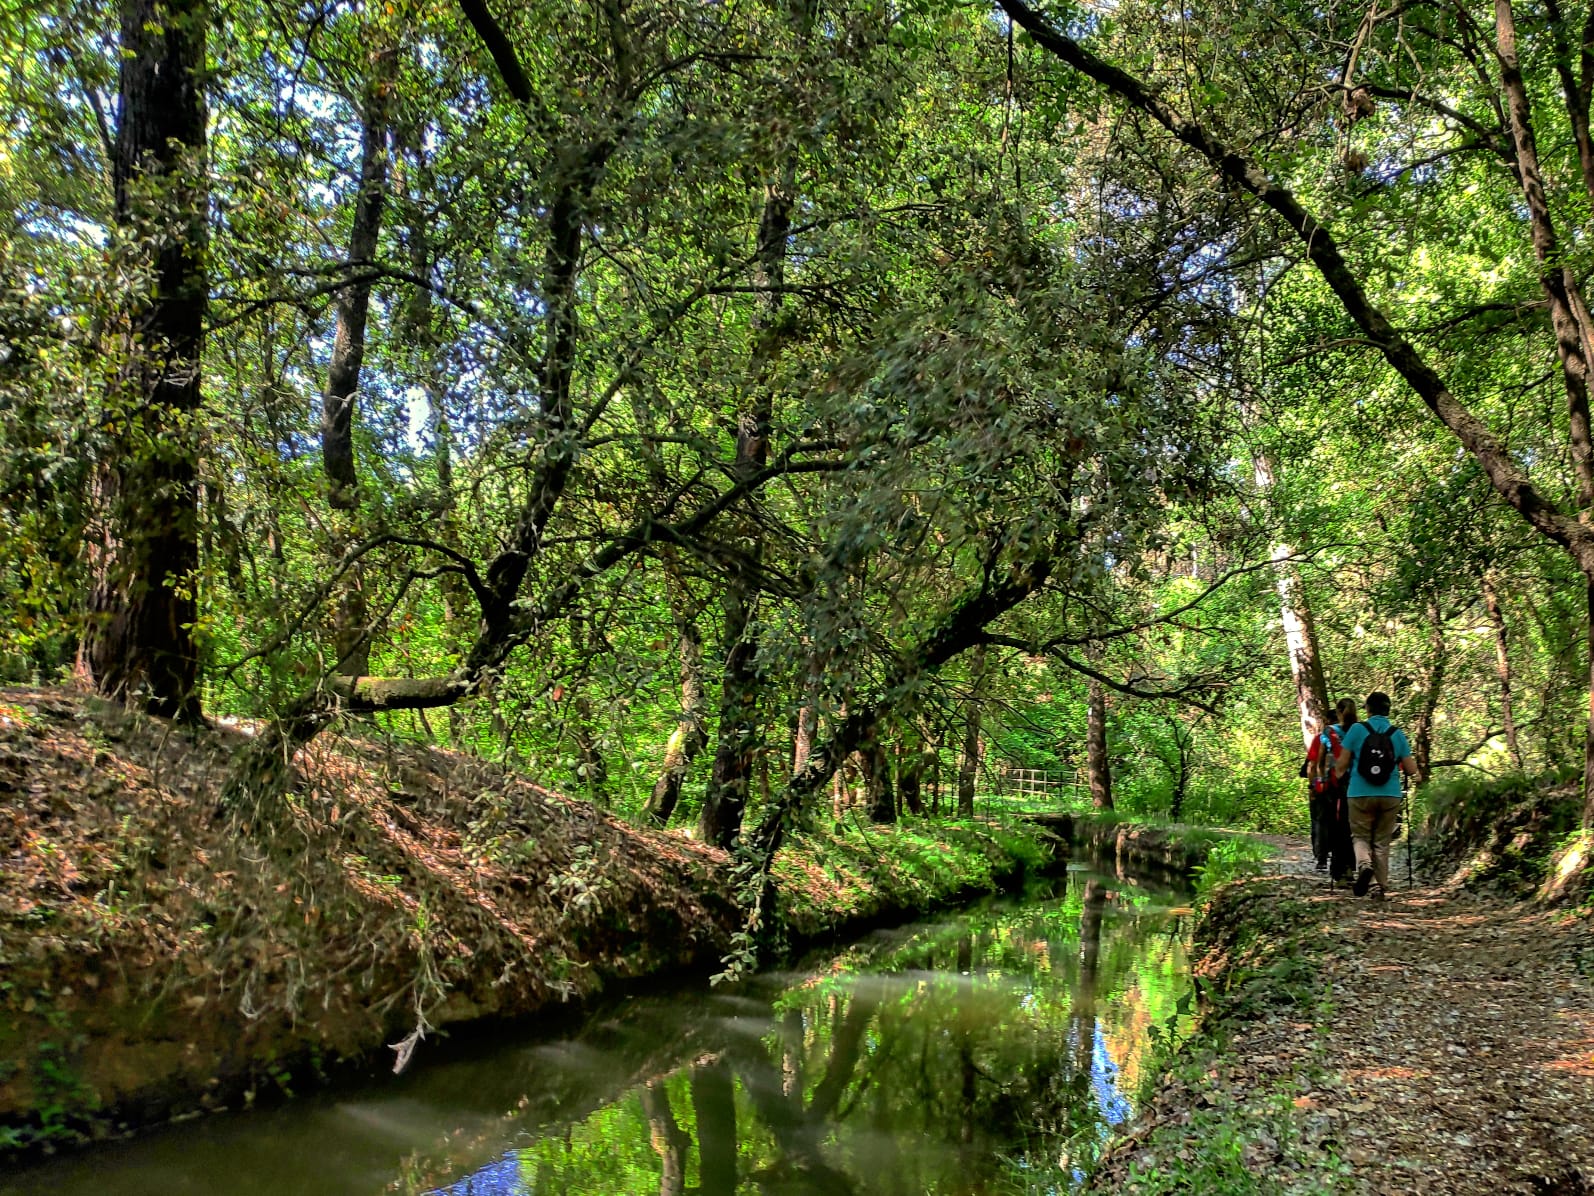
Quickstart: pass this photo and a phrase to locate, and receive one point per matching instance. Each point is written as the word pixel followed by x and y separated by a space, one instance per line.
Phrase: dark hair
pixel 1378 703
pixel 1346 709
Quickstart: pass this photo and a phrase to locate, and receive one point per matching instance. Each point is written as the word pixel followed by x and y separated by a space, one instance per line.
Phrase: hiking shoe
pixel 1378 894
pixel 1322 865
pixel 1364 879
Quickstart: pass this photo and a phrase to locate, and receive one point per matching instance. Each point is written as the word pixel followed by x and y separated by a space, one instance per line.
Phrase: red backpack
pixel 1323 766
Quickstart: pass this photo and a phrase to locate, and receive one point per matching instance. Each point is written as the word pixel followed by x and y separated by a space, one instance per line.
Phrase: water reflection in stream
pixel 951 1056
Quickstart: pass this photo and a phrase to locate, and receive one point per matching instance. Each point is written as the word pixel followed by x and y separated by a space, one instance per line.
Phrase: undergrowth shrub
pixel 1228 859
pixel 1499 832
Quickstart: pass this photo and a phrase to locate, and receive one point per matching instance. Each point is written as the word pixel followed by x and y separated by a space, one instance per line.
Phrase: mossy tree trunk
pixel 351 644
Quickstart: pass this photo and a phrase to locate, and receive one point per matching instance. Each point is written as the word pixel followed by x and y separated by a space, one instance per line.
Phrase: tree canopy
pixel 700 405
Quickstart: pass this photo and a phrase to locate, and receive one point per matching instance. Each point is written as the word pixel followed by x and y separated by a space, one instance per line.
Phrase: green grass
pixel 857 870
pixel 1228 859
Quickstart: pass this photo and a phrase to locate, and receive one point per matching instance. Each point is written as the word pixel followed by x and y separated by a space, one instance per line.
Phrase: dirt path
pixel 1294 858
pixel 1453 1050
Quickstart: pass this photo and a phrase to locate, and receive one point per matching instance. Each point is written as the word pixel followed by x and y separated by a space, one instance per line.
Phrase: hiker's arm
pixel 1408 765
pixel 1342 762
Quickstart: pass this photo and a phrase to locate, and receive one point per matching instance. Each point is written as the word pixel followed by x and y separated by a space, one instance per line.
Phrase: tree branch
pixel 1181 694
pixel 497 43
pixel 1324 252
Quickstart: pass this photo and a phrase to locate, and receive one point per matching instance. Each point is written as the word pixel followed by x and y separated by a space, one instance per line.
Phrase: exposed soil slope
pixel 149 941
pixel 1439 1042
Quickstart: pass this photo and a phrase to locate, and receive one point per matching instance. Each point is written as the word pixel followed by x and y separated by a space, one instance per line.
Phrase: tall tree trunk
pixel 1098 767
pixel 139 643
pixel 691 732
pixel 1300 638
pixel 1588 733
pixel 351 640
pixel 737 739
pixel 808 714
pixel 1433 686
pixel 1557 277
pixel 1300 631
pixel 1182 737
pixel 411 180
pixel 877 776
pixel 740 734
pixel 969 764
pixel 1502 668
pixel 1575 92
pixel 912 760
pixel 1569 315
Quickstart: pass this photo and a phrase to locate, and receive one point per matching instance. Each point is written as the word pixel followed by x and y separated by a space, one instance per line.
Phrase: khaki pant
pixel 1372 826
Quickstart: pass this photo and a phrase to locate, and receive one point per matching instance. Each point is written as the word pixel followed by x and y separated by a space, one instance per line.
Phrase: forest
pixel 686 403
pixel 762 415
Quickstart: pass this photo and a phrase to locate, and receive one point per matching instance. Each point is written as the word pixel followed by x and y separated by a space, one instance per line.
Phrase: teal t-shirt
pixel 1352 743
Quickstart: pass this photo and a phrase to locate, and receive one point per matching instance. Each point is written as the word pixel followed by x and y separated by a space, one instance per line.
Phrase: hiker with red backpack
pixel 1373 754
pixel 1322 790
pixel 1331 838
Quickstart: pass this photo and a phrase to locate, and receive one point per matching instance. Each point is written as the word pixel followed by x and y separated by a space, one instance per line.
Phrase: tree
pixel 1323 250
pixel 690 734
pixel 969 761
pixel 140 641
pixel 351 646
pixel 1300 630
pixel 1098 764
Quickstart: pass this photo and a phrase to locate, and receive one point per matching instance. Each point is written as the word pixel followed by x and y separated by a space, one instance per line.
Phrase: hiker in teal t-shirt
pixel 1367 748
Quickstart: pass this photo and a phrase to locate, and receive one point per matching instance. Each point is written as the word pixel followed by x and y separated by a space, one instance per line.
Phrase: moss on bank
pixel 833 882
pixel 158 956
pixel 1506 834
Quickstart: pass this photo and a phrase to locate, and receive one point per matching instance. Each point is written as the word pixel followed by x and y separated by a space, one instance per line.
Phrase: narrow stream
pixel 986 1051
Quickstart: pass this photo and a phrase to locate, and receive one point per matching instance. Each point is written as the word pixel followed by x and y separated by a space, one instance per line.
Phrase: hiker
pixel 1374 753
pixel 1341 848
pixel 1322 786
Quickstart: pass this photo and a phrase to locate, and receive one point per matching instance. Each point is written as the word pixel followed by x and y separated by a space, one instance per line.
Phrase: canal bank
pixel 164 956
pixel 989 1049
pixel 1171 849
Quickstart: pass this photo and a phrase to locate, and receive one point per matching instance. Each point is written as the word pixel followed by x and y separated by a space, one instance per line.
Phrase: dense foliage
pixel 679 399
